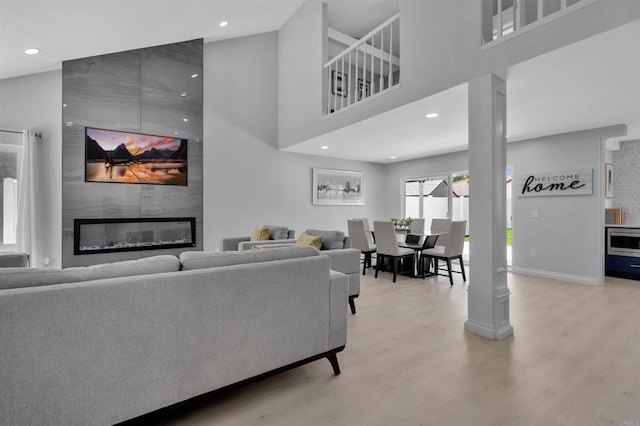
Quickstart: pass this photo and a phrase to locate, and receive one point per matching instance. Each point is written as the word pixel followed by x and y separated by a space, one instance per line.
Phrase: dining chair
pixel 367 229
pixel 359 241
pixel 417 226
pixel 440 226
pixel 428 243
pixel 387 247
pixel 451 251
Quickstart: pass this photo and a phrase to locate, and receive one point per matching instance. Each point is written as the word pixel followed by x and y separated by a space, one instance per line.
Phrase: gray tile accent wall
pixel 151 91
pixel 626 180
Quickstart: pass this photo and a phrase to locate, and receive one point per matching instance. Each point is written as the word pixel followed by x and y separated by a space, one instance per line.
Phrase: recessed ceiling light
pixel 324 147
pixel 194 75
pixel 176 133
pixel 32 51
pixel 185 119
pixel 432 115
pixel 183 94
pixel 64 105
pixel 223 23
pixel 393 158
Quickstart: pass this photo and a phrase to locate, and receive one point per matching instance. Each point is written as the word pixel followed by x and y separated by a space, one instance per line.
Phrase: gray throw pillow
pixel 278 232
pixel 331 240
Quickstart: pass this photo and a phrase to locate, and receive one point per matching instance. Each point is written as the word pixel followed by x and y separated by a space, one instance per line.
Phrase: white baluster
pixel 540 3
pixel 342 85
pixel 381 60
pixel 349 81
pixel 364 62
pixel 390 77
pixel 364 82
pixel 499 20
pixel 334 74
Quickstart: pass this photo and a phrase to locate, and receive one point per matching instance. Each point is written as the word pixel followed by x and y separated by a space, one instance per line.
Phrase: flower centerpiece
pixel 402 223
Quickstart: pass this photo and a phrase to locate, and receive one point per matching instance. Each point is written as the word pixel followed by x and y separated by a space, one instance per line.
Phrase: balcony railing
pixel 503 18
pixel 368 67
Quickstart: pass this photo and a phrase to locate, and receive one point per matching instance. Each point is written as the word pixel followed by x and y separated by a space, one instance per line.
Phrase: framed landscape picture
pixel 338 187
pixel 338 83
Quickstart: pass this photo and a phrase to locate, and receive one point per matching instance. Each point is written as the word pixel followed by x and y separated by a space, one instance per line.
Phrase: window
pixel 427 197
pixel 9 169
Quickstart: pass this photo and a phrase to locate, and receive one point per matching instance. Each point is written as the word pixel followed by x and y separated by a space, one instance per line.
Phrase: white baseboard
pixel 556 276
pixel 487 330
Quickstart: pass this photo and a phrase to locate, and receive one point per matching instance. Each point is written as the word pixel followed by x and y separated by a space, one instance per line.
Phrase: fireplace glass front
pixel 113 235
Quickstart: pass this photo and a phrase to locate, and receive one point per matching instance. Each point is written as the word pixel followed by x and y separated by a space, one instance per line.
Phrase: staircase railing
pixel 368 67
pixel 517 16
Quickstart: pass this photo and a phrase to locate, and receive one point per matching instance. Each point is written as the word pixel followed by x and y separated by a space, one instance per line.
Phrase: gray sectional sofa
pixel 103 344
pixel 335 244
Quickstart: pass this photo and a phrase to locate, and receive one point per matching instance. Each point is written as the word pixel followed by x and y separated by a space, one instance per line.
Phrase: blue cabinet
pixel 623 267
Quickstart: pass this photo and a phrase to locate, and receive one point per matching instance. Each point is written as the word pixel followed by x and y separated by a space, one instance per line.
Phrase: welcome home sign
pixel 566 182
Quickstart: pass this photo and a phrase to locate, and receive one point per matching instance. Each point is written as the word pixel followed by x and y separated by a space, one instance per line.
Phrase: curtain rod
pixel 37 134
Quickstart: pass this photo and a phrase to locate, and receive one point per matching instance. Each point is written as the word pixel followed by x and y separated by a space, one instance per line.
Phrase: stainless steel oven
pixel 623 242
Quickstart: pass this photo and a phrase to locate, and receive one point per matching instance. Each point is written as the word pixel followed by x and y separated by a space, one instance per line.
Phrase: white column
pixel 488 293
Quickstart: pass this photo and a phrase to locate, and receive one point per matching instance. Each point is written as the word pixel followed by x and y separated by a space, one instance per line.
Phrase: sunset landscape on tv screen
pixel 123 157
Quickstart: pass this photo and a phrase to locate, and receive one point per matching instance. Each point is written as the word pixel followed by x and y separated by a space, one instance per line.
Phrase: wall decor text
pixel 566 182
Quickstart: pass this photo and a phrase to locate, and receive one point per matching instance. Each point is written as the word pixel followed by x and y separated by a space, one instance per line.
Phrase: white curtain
pixel 28 226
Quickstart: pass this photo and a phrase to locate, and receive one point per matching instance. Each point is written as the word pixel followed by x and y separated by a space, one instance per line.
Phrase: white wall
pixel 568 235
pixel 439 49
pixel 35 102
pixel 247 181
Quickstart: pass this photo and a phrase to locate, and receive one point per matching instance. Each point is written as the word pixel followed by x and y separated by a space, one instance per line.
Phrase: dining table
pixel 419 242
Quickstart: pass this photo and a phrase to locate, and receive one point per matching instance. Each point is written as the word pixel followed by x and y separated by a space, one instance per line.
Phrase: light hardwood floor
pixel 574 359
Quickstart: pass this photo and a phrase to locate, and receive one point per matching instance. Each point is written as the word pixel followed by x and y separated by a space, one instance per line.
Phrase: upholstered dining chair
pixel 440 226
pixel 367 229
pixel 359 240
pixel 387 247
pixel 417 226
pixel 451 251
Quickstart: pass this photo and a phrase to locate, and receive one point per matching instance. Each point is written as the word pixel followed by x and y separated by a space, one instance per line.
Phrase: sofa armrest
pixel 339 283
pixel 248 245
pixel 231 244
pixel 346 261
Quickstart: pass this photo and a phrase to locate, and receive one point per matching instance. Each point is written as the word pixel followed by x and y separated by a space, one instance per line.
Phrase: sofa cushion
pixel 211 259
pixel 331 240
pixel 278 232
pixel 310 240
pixel 32 277
pixel 260 233
pixel 128 268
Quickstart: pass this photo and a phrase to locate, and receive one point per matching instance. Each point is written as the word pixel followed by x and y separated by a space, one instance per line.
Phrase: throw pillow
pixel 331 240
pixel 278 232
pixel 260 233
pixel 310 240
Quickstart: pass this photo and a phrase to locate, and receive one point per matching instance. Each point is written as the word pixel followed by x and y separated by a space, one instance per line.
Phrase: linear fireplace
pixel 92 236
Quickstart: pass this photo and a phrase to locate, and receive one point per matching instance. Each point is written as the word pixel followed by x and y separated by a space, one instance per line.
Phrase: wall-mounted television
pixel 126 157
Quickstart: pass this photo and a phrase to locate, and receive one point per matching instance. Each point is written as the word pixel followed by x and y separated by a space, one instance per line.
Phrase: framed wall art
pixel 339 83
pixel 364 89
pixel 338 187
pixel 608 180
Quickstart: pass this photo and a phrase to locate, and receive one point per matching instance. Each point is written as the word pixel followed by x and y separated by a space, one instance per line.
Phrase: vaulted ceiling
pixel 592 83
